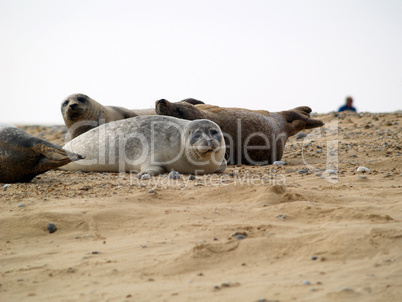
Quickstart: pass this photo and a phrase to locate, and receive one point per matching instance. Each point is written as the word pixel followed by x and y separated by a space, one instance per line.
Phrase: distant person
pixel 348 106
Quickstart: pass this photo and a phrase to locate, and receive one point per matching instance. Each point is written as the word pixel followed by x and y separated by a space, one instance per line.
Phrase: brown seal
pixel 81 113
pixel 254 137
pixel 23 156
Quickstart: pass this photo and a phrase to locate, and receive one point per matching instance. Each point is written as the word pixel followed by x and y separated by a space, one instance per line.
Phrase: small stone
pixel 239 233
pixel 143 246
pixel 362 176
pixel 192 177
pixel 363 169
pixel 279 162
pixel 6 186
pixel 173 175
pixel 226 284
pixel 354 155
pixel 152 192
pixel 51 227
pixel 319 151
pixel 21 205
pixel 303 171
pixel 281 216
pixel 240 237
pixel 330 171
pixel 301 135
pixel 95 253
pixel 306 282
pixel 314 258
pixel 146 176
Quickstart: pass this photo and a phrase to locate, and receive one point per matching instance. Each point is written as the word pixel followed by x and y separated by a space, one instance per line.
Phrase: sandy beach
pixel 313 229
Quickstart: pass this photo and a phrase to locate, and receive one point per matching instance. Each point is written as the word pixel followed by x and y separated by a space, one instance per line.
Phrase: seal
pixel 81 113
pixel 151 145
pixel 253 137
pixel 23 156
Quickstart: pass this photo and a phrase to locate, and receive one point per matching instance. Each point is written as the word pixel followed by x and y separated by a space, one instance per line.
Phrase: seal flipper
pixel 151 170
pixel 295 127
pixel 297 115
pixel 223 166
pixel 192 101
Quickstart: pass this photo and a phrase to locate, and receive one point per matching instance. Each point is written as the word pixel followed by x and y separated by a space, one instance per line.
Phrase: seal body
pixel 151 145
pixel 254 137
pixel 23 156
pixel 81 113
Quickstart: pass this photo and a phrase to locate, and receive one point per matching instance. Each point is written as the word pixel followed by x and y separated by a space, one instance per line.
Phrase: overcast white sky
pixel 272 55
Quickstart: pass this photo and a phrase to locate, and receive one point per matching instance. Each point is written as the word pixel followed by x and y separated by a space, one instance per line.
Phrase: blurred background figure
pixel 348 106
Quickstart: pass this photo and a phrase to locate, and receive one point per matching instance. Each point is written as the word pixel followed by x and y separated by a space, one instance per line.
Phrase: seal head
pixel 23 156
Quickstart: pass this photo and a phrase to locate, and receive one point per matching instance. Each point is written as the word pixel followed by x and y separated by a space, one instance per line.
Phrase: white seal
pixel 151 145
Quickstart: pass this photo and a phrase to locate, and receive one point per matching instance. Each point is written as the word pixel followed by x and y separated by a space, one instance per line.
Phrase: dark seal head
pixel 23 156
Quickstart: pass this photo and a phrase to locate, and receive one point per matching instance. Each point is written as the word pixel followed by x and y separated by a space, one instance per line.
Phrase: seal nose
pixel 73 105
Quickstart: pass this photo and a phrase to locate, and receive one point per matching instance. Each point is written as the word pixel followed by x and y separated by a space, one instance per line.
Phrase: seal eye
pixel 195 136
pixel 213 132
pixel 81 99
pixel 65 103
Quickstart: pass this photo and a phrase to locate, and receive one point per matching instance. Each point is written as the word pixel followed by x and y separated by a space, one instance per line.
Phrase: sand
pixel 265 233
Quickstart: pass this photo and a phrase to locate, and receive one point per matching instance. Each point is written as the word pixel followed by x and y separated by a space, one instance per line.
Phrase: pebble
pixel 152 192
pixel 314 258
pixel 21 205
pixel 362 176
pixel 303 171
pixel 363 169
pixel 6 186
pixel 301 135
pixel 329 171
pixel 279 162
pixel 143 246
pixel 319 151
pixel 173 175
pixel 146 177
pixel 306 282
pixel 51 227
pixel 240 235
pixel 281 216
pixel 192 177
